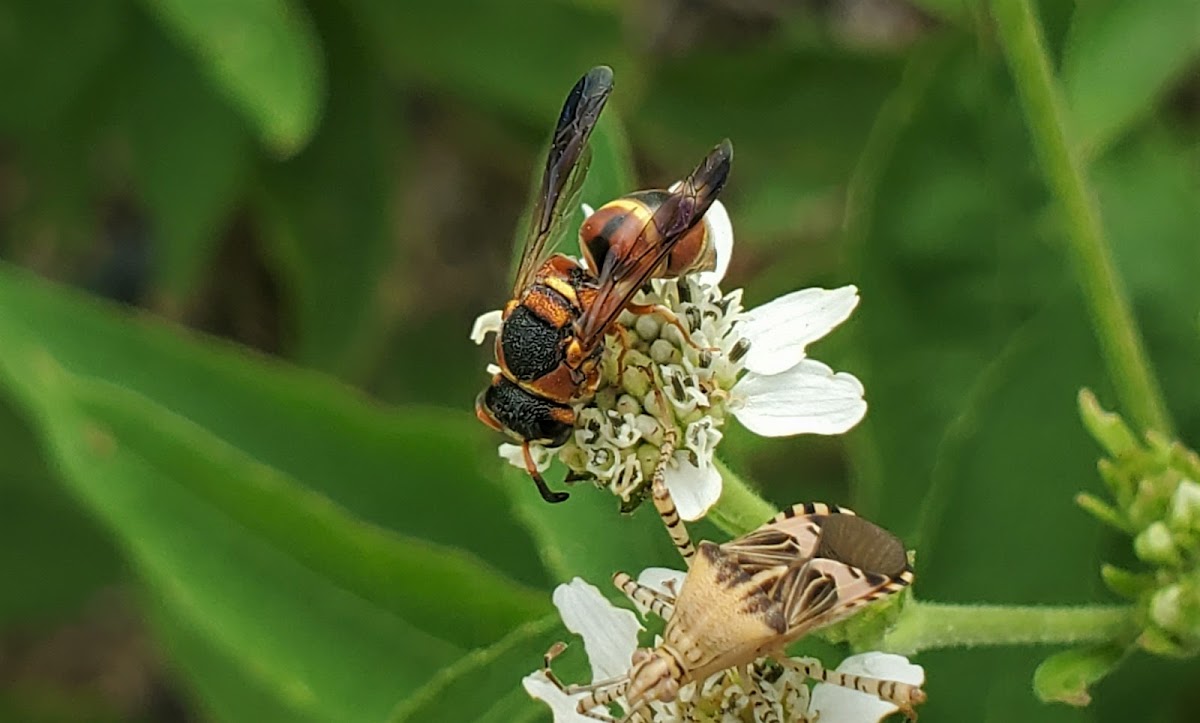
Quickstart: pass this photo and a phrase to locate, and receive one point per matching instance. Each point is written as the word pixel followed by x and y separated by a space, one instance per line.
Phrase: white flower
pixel 752 365
pixel 610 637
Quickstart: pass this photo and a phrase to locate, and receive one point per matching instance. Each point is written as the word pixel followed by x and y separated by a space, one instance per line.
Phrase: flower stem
pixel 740 509
pixel 1120 340
pixel 928 626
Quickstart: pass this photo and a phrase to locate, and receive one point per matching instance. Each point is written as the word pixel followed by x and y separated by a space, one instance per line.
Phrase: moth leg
pixel 665 505
pixel 600 697
pixel 763 710
pixel 902 695
pixel 660 604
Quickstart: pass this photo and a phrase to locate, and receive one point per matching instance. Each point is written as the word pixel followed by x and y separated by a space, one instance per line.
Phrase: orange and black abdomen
pixel 622 228
pixel 530 417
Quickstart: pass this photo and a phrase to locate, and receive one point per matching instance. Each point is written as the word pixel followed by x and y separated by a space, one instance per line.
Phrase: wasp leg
pixel 671 318
pixel 665 506
pixel 599 698
pixel 901 695
pixel 622 335
pixel 531 467
pixel 658 603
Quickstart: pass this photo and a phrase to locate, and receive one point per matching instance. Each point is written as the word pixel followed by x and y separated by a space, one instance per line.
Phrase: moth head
pixel 653 677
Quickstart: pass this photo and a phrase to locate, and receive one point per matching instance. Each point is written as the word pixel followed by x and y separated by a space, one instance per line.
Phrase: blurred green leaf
pixel 973 346
pixel 328 213
pixel 1121 55
pixel 1065 677
pixel 802 119
pixel 225 689
pixel 1147 186
pixel 485 686
pixel 190 155
pixel 263 54
pixel 49 53
pixel 419 472
pixel 53 556
pixel 557 43
pixel 410 577
pixel 315 605
pixel 586 536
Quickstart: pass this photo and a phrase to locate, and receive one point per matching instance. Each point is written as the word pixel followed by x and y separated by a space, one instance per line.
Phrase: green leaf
pixel 54 556
pixel 263 55
pixel 410 577
pixel 1065 677
pixel 485 686
pixel 1121 56
pixel 418 471
pixel 190 156
pixel 327 214
pixel 586 536
pixel 329 616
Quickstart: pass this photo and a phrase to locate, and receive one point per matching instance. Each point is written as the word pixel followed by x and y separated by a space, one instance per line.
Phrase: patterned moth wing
pixel 829 562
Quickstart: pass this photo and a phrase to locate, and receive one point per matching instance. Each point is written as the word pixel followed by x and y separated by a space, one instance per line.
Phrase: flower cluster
pixel 610 636
pixel 1156 500
pixel 657 380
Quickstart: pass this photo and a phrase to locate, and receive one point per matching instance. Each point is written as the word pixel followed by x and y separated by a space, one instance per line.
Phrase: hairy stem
pixel 740 509
pixel 928 626
pixel 1121 343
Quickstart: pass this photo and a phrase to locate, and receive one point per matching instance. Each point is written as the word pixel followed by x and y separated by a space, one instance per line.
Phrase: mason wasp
pixel 552 331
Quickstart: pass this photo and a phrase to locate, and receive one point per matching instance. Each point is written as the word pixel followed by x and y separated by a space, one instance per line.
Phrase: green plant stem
pixel 928 626
pixel 1108 304
pixel 740 509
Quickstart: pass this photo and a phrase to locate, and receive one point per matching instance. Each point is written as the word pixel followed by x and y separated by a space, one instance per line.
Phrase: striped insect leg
pixel 903 695
pixel 665 505
pixel 660 604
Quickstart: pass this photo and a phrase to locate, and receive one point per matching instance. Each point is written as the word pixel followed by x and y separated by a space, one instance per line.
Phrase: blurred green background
pixel 243 244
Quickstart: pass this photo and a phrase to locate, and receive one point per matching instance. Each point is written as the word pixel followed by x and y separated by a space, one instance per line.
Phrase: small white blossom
pixel 749 364
pixel 610 637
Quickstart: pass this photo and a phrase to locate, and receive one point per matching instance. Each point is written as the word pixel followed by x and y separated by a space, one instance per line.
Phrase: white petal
pixel 836 704
pixel 540 688
pixel 694 489
pixel 720 233
pixel 587 210
pixel 609 633
pixel 779 330
pixel 513 454
pixel 485 324
pixel 663 579
pixel 809 398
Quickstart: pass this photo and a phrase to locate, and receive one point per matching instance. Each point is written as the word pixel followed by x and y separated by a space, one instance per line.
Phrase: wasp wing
pixel 620 278
pixel 566 167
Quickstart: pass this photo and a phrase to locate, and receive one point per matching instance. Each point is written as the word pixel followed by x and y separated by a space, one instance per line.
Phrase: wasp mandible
pixel 552 330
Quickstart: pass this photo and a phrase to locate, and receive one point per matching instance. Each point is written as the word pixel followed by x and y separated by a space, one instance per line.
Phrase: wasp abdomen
pixel 621 228
pixel 531 344
pixel 531 417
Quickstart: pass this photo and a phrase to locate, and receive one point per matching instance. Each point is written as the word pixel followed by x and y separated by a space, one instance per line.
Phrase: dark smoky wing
pixel 566 167
pixel 620 278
